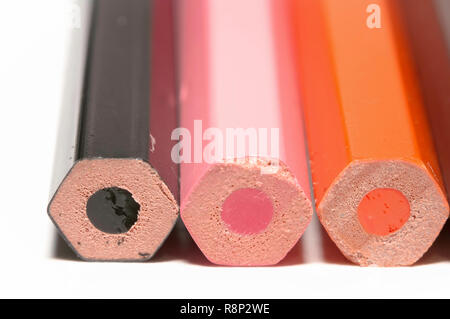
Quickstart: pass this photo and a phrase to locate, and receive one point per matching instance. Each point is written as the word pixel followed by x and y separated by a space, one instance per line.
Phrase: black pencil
pixel 118 200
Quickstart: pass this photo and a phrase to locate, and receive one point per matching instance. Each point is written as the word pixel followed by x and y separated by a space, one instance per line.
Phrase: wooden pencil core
pixel 383 211
pixel 112 210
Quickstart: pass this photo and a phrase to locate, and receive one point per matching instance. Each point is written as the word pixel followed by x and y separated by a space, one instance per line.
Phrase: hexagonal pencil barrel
pixel 244 184
pixel 375 174
pixel 117 185
pixel 426 33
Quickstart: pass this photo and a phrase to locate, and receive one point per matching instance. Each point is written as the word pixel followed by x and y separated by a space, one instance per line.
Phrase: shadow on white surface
pixel 61 250
pixel 180 246
pixel 331 254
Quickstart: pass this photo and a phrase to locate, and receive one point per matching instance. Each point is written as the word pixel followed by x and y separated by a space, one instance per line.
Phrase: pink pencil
pixel 245 195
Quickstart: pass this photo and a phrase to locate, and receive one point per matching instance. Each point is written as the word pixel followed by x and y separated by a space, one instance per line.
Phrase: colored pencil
pixel 376 177
pixel 118 199
pixel 249 207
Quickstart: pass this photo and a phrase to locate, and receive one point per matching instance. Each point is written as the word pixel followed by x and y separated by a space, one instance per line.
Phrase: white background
pixel 33 263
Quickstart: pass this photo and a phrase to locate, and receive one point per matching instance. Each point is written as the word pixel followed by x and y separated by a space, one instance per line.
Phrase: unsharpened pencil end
pixel 113 210
pixel 240 216
pixel 384 213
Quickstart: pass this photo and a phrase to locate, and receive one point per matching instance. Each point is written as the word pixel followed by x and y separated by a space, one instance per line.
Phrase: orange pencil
pixel 427 38
pixel 375 174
